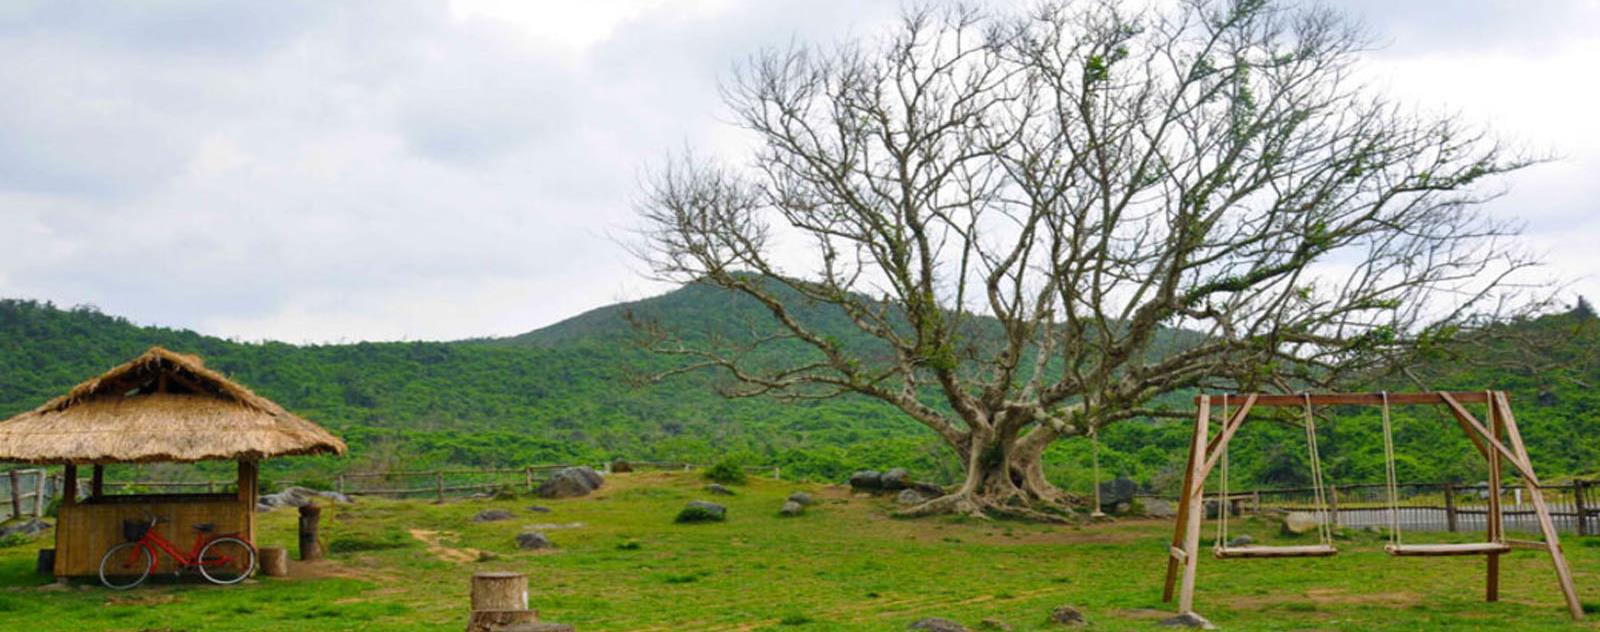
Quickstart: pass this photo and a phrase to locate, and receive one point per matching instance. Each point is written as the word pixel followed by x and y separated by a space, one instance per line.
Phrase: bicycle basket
pixel 134 530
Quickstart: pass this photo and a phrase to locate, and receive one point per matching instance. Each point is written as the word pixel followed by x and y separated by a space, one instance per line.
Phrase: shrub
pixel 727 472
pixel 696 513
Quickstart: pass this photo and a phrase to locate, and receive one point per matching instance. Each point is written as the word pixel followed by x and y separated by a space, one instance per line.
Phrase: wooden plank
pixel 1495 517
pixel 1492 549
pixel 1179 528
pixel 1552 539
pixel 1473 425
pixel 1244 552
pixel 1355 399
pixel 1191 538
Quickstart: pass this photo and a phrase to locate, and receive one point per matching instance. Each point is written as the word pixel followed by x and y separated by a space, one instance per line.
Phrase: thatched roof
pixel 160 406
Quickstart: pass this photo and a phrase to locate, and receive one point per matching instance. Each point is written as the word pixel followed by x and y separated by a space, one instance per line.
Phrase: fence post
pixel 339 482
pixel 1255 496
pixel 1578 505
pixel 38 493
pixel 1450 507
pixel 1333 505
pixel 438 483
pixel 527 477
pixel 777 473
pixel 16 496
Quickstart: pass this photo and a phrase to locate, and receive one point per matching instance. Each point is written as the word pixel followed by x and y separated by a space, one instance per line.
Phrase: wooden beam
pixel 1495 517
pixel 1229 426
pixel 1552 538
pixel 97 481
pixel 69 485
pixel 1475 426
pixel 249 478
pixel 1355 399
pixel 1179 525
pixel 1191 538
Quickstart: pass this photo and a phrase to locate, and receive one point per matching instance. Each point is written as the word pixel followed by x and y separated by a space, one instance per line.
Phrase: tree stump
pixel 310 522
pixel 501 620
pixel 499 591
pixel 274 561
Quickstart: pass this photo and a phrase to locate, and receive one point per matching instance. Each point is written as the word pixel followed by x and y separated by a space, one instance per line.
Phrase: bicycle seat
pixel 204 527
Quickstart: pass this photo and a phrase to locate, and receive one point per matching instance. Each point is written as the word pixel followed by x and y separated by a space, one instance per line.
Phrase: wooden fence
pixel 1433 506
pixel 29 489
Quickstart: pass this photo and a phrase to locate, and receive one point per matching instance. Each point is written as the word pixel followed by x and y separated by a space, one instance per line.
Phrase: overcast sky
pixel 339 171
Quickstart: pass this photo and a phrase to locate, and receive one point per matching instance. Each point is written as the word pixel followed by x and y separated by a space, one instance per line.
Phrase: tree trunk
pixel 1004 477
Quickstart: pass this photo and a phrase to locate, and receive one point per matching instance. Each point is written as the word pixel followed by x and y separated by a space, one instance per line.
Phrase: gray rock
pixel 1122 509
pixel 620 466
pixel 1189 620
pixel 910 497
pixel 866 480
pixel 571 482
pixel 1119 490
pixel 1158 508
pixel 719 490
pixel 935 624
pixel 289 497
pixel 23 527
pixel 792 508
pixel 1300 523
pixel 336 497
pixel 492 515
pixel 895 479
pixel 531 540
pixel 1067 616
pixel 1243 540
pixel 703 511
pixel 802 498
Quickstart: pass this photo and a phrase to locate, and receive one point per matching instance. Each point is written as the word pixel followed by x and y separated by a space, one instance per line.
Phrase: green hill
pixel 570 392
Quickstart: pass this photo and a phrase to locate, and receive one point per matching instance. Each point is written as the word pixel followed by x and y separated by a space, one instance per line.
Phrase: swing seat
pixel 1440 550
pixel 1242 552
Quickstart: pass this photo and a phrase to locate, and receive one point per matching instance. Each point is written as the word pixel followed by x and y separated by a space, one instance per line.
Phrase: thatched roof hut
pixel 160 406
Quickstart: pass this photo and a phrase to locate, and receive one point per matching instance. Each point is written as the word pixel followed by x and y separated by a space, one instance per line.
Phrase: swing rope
pixel 1393 481
pixel 1094 439
pixel 1324 530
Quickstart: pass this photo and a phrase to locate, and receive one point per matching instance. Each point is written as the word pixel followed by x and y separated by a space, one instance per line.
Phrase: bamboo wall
pixel 85 531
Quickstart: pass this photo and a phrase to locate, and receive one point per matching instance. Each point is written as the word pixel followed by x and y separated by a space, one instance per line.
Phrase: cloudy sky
pixel 337 171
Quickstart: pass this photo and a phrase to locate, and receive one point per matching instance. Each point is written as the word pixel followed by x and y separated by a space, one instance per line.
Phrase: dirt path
pixel 433 540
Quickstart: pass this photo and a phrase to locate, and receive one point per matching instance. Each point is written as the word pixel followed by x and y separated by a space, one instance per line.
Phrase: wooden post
pixel 274 561
pixel 69 485
pixel 1180 524
pixel 1578 505
pixel 310 522
pixel 1552 538
pixel 438 483
pixel 527 477
pixel 249 480
pixel 1496 513
pixel 1191 538
pixel 1450 520
pixel 97 481
pixel 339 485
pixel 16 494
pixel 38 493
pixel 1333 506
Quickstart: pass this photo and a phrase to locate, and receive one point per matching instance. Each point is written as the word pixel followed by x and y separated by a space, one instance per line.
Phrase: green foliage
pixel 727 472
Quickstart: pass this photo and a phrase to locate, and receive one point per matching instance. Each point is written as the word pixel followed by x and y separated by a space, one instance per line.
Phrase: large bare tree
pixel 1045 221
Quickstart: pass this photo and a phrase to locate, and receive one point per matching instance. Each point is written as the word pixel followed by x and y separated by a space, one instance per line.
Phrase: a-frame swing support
pixel 1205 451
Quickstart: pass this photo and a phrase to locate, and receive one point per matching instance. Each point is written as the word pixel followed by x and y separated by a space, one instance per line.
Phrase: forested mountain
pixel 572 391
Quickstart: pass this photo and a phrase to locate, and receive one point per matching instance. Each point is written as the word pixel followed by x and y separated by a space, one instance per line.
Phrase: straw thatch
pixel 160 406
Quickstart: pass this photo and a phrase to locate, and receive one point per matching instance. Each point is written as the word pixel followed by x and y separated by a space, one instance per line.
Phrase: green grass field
pixel 623 565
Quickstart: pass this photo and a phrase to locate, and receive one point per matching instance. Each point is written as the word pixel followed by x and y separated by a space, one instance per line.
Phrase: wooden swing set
pixel 1208 453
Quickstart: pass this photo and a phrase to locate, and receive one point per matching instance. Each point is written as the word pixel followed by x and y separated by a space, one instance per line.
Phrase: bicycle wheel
pixel 227 560
pixel 126 565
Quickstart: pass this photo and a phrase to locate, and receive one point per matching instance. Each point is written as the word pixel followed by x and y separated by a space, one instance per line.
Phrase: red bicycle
pixel 221 559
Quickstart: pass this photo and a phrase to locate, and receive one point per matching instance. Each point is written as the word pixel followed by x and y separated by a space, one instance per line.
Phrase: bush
pixel 727 472
pixel 697 513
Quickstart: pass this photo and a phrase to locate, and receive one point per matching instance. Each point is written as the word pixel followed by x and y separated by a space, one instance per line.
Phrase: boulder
pixel 620 466
pixel 801 497
pixel 1188 620
pixel 910 497
pixel 895 479
pixel 867 480
pixel 22 528
pixel 492 515
pixel 935 624
pixel 719 490
pixel 702 511
pixel 1300 523
pixel 570 482
pixel 1243 540
pixel 1118 490
pixel 1158 508
pixel 1067 616
pixel 791 508
pixel 532 540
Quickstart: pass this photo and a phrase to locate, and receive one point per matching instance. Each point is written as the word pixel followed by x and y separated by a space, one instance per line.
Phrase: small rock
pixel 802 498
pixel 1300 523
pixel 531 540
pixel 895 479
pixel 1243 540
pixel 910 497
pixel 792 508
pixel 1158 508
pixel 719 490
pixel 867 480
pixel 1068 616
pixel 702 511
pixel 935 624
pixel 491 515
pixel 539 509
pixel 994 624
pixel 336 497
pixel 1188 620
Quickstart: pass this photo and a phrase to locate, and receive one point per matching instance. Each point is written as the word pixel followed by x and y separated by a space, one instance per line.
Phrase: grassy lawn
pixel 623 565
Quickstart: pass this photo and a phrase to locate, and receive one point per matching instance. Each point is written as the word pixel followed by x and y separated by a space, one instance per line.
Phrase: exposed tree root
pixel 971 504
